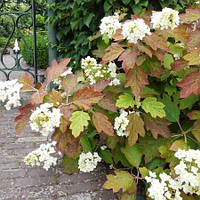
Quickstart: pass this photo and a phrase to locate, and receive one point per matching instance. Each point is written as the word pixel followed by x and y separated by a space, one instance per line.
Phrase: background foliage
pixel 77 20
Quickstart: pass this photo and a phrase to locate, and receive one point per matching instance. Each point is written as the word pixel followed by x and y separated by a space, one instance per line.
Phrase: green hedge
pixel 42 50
pixel 76 20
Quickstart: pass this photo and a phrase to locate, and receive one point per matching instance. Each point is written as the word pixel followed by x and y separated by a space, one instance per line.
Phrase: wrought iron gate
pixel 21 15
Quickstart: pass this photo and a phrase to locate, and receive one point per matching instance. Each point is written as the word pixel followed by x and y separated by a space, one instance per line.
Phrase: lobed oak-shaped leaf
pixel 28 82
pixel 145 49
pixel 113 52
pixel 69 83
pixel 181 33
pixel 158 127
pixel 67 112
pixel 179 65
pixel 193 40
pixel 190 85
pixel 125 100
pixel 56 69
pixel 118 35
pixel 37 97
pixel 135 127
pixel 55 98
pixel 154 107
pixel 193 57
pixel 99 86
pixel 79 120
pixel 149 147
pixel 121 180
pixel 86 96
pixel 129 57
pixel 190 15
pixel 156 42
pixel 136 78
pixel 107 104
pixel 102 123
pixel 23 118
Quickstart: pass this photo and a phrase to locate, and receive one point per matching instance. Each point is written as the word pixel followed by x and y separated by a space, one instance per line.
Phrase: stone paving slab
pixel 18 182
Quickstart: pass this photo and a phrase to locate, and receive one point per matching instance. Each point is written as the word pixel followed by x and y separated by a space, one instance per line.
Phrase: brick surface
pixel 18 182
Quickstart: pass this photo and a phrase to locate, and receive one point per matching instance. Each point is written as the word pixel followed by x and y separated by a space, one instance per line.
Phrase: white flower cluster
pixel 167 18
pixel 88 162
pixel 163 188
pixel 187 178
pixel 10 93
pixel 135 30
pixel 121 123
pixel 43 156
pixel 45 118
pixel 188 170
pixel 58 80
pixel 109 25
pixel 95 72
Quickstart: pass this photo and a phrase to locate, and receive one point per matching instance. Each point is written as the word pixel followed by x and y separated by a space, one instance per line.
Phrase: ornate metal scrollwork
pixel 20 14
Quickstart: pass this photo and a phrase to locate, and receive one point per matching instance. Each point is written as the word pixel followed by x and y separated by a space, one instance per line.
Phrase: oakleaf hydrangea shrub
pixel 134 105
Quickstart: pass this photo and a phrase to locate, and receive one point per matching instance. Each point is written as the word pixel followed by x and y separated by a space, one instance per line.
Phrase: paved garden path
pixel 18 182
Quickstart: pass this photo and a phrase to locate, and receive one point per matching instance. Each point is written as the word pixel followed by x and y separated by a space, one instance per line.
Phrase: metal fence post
pixel 35 42
pixel 51 34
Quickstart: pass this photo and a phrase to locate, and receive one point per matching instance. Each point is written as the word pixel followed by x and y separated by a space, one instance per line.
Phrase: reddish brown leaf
pixel 66 143
pixel 23 118
pixel 181 33
pixel 128 57
pixel 193 40
pixel 102 123
pixel 195 114
pixel 86 96
pixel 190 85
pixel 156 42
pixel 145 49
pixel 135 128
pixel 158 127
pixel 107 104
pixel 37 97
pixel 118 35
pixel 70 83
pixel 179 65
pixel 136 78
pixel 190 15
pixel 196 130
pixel 113 52
pixel 56 69
pixel 67 112
pixel 193 57
pixel 55 98
pixel 99 86
pixel 28 82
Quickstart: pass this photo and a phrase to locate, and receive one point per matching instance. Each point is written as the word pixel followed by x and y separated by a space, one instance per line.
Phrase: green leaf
pixel 144 172
pixel 168 60
pixel 188 102
pixel 133 154
pixel 85 143
pixel 171 109
pixel 79 120
pixel 106 155
pixel 125 100
pixel 155 163
pixel 70 165
pixel 126 2
pixel 122 180
pixel 154 107
pixel 87 20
